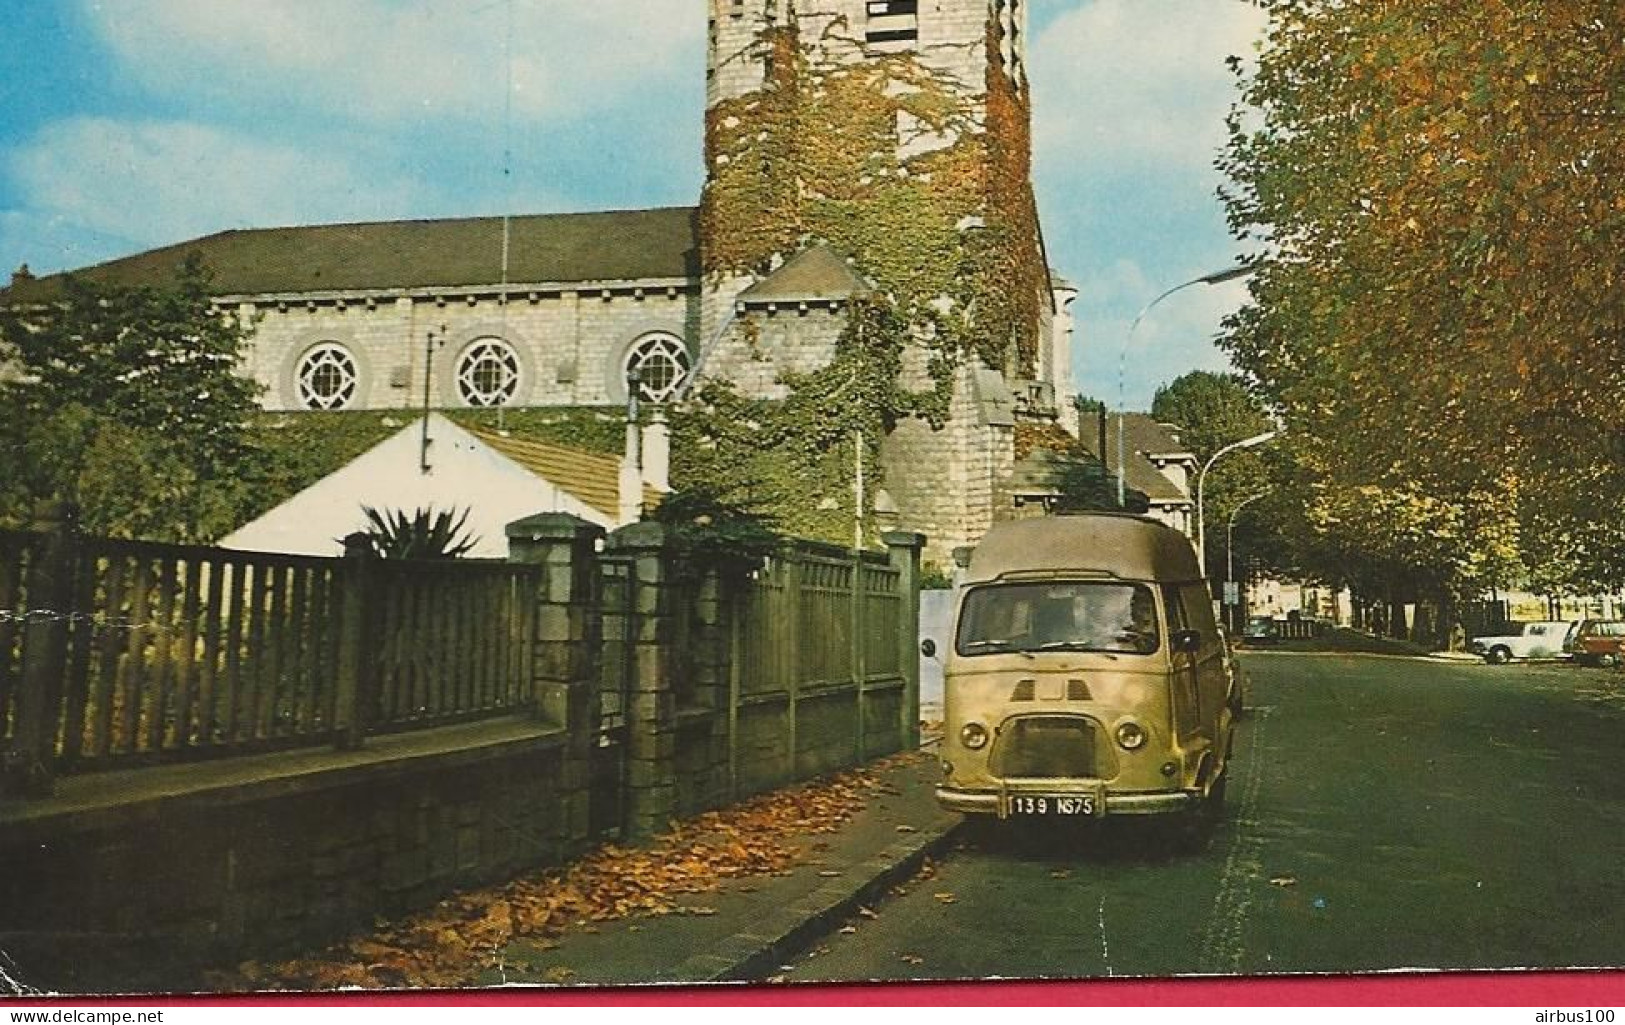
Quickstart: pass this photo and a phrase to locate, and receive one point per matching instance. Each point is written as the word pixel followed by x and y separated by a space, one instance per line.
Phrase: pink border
pixel 1464 989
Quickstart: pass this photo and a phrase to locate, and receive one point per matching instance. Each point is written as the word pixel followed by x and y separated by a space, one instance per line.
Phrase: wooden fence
pixel 683 685
pixel 451 641
pixel 803 624
pixel 116 653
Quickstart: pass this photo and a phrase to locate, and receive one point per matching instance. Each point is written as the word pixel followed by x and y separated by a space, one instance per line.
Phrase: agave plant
pixel 425 534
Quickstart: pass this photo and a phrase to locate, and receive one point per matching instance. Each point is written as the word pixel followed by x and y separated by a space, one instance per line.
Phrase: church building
pixel 855 151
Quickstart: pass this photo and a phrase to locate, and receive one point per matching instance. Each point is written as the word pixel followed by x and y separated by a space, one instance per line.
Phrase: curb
pixel 758 954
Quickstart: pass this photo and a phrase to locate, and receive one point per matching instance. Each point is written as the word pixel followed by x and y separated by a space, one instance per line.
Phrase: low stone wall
pixel 136 880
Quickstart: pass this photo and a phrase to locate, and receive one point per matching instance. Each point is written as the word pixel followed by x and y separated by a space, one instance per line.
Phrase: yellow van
pixel 1086 676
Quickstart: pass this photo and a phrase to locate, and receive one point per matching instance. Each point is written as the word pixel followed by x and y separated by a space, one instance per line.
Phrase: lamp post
pixel 1215 278
pixel 1201 479
pixel 1230 551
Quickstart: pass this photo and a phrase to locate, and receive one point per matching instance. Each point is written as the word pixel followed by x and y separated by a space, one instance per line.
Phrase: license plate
pixel 1062 805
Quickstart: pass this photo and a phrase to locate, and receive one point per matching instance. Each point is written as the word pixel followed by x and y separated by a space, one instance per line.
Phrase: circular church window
pixel 326 377
pixel 488 373
pixel 660 364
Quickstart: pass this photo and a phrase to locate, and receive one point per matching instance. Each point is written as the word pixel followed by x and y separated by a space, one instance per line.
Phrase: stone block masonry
pixel 943 480
pixel 138 880
pixel 570 343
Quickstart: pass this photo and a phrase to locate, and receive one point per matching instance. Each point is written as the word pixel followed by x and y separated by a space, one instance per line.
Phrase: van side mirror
pixel 1187 642
pixel 928 647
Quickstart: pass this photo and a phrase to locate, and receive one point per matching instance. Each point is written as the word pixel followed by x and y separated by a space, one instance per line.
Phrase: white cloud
pixel 46 243
pixel 94 187
pixel 1137 82
pixel 384 62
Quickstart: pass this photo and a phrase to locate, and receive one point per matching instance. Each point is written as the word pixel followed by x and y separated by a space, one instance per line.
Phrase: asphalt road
pixel 1384 813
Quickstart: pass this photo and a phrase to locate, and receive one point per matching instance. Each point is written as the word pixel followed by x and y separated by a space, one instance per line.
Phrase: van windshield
pixel 1069 616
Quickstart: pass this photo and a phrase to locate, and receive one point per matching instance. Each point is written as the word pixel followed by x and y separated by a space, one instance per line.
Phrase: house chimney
pixel 630 486
pixel 656 451
pixel 1105 463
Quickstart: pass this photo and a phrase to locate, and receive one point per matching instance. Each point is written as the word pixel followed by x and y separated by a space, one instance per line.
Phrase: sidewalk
pixel 749 927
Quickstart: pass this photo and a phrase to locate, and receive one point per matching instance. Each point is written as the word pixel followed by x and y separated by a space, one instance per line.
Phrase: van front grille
pixel 1046 746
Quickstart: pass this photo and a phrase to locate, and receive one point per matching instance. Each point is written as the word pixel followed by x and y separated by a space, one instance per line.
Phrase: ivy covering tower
pixel 891 137
pixel 899 138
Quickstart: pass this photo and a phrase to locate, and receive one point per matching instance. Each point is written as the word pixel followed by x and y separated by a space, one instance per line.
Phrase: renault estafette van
pixel 1086 675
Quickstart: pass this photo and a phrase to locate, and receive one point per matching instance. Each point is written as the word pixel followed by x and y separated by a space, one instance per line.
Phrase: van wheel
pixel 1499 655
pixel 1607 661
pixel 1194 828
pixel 1238 700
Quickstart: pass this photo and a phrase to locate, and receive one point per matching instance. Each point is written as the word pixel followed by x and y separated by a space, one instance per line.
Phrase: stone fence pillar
pixel 650 552
pixel 568 630
pixel 28 766
pixel 904 548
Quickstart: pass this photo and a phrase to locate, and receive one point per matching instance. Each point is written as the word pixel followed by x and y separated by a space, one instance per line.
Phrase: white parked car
pixel 1544 639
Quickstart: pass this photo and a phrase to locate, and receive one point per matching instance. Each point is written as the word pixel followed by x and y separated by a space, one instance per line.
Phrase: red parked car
pixel 1598 642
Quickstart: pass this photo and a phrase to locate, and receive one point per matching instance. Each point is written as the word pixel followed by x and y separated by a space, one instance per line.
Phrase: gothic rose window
pixel 660 363
pixel 326 377
pixel 488 373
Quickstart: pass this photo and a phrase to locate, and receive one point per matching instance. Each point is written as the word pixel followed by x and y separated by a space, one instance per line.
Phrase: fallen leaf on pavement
pixel 829 873
pixel 847 930
pixel 913 959
pixel 907 829
pixel 1061 873
pixel 868 912
pixel 457 940
pixel 946 898
pixel 1283 880
pixel 560 974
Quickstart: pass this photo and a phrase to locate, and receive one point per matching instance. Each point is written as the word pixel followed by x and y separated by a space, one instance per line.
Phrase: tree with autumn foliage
pixel 1211 411
pixel 1432 192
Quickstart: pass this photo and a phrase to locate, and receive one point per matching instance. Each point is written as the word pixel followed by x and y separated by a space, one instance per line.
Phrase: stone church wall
pixel 760 346
pixel 943 481
pixel 570 344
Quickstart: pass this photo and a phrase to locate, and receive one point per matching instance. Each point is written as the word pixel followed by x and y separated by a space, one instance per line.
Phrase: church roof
pixel 817 274
pixel 617 245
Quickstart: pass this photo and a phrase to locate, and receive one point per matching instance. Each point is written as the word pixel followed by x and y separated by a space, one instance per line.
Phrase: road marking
pixel 1222 943
pixel 1105 949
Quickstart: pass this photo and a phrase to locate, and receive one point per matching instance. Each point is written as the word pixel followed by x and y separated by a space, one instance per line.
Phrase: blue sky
pixel 127 124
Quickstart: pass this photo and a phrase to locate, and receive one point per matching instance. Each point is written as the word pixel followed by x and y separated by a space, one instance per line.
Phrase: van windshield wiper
pixel 1074 646
pixel 995 644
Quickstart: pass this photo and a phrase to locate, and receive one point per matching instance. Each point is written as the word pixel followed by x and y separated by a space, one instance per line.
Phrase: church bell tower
pixel 894 137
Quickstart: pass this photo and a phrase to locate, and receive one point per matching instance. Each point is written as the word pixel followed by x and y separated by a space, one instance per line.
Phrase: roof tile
pixel 592 477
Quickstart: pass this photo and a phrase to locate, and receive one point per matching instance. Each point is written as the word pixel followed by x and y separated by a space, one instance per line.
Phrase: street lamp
pixel 1217 277
pixel 1201 479
pixel 1230 549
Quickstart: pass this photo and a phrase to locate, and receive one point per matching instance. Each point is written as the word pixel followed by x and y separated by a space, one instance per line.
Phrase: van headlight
pixel 1130 736
pixel 973 735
